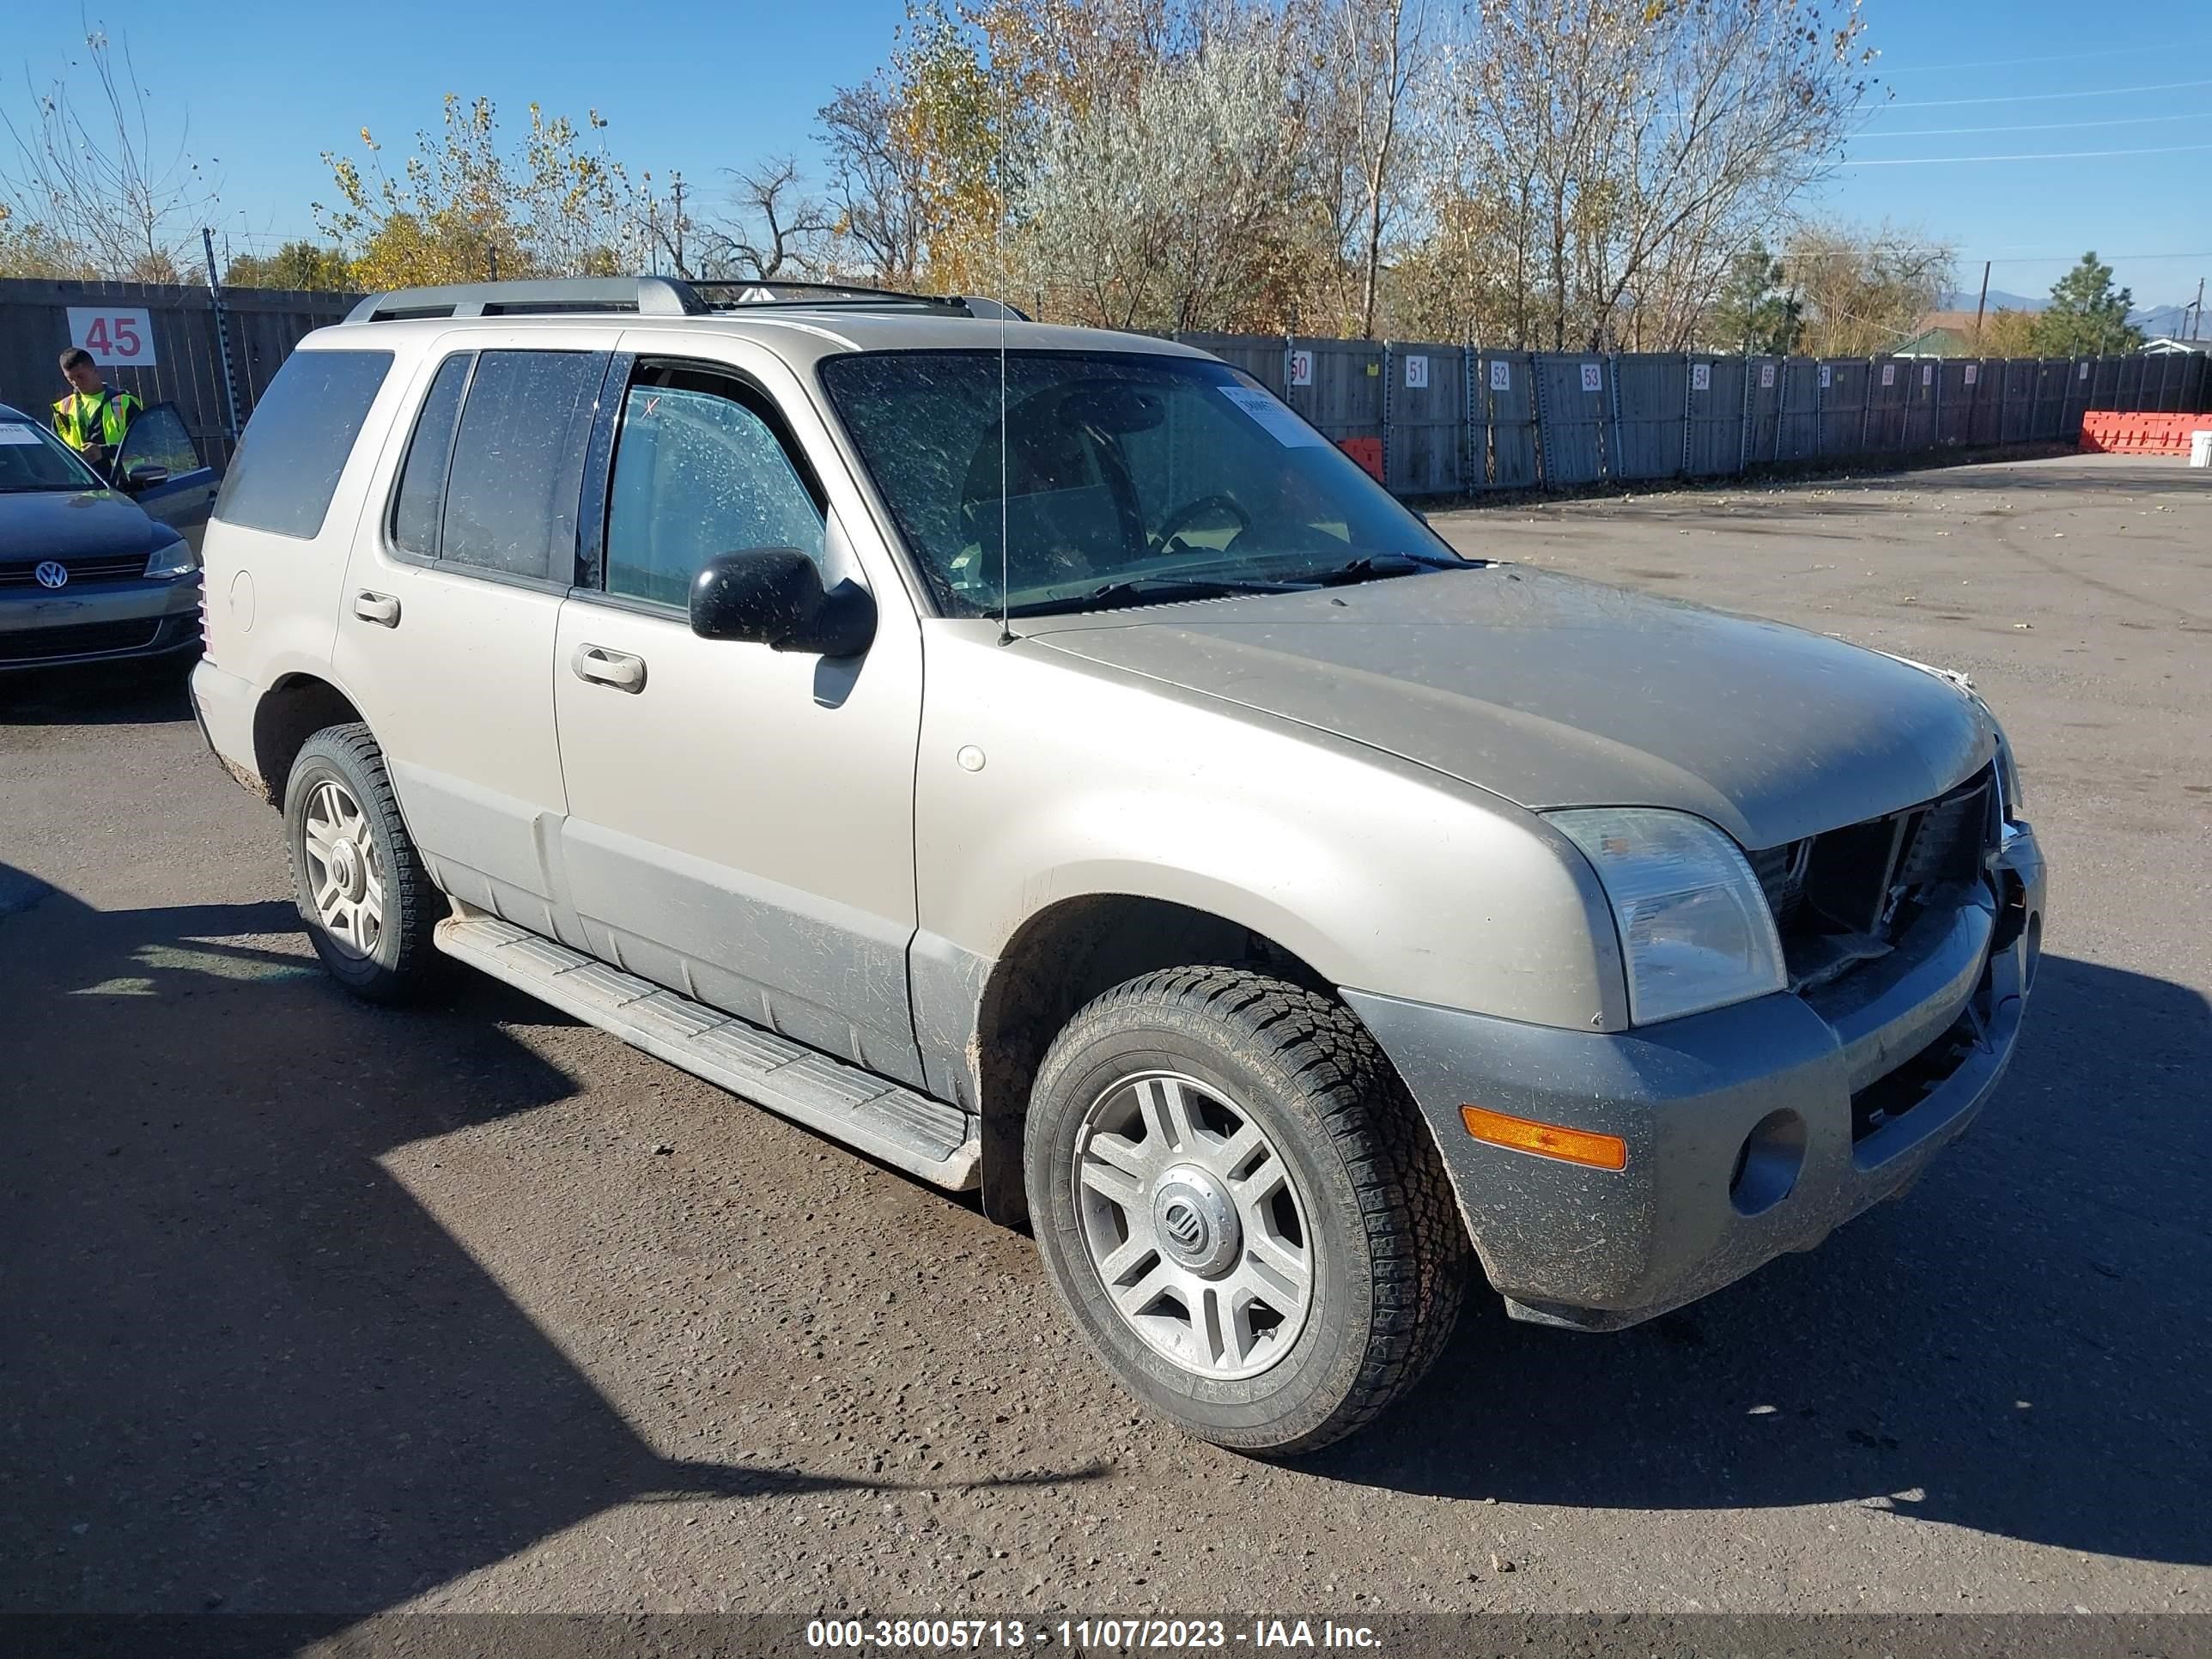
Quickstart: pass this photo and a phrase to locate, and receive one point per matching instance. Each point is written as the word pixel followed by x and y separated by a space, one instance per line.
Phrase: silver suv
pixel 1039 760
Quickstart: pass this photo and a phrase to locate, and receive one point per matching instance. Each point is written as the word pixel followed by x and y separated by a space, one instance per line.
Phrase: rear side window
pixel 295 447
pixel 518 468
pixel 421 499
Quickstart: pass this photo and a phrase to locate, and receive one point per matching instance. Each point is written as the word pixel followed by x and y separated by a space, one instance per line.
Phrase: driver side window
pixel 699 471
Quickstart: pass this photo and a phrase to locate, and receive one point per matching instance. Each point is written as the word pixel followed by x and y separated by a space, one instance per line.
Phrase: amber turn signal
pixel 1525 1134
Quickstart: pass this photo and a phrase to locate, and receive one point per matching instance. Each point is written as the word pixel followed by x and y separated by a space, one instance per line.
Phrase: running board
pixel 910 1131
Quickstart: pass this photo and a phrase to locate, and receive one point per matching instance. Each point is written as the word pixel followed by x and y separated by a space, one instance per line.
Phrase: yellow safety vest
pixel 102 419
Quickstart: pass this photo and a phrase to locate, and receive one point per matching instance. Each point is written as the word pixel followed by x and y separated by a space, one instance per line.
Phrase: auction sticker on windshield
pixel 1284 427
pixel 10 433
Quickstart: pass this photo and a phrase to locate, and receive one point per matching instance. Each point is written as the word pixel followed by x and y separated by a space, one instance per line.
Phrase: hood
pixel 87 524
pixel 1553 691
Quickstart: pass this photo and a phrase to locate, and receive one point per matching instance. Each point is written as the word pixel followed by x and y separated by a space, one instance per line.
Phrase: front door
pixel 740 820
pixel 157 467
pixel 446 625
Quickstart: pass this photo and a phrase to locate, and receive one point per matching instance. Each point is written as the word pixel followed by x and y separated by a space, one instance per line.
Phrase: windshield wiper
pixel 1387 564
pixel 1161 590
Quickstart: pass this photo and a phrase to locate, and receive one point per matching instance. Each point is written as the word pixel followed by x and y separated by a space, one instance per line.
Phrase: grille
pixel 40 644
pixel 129 568
pixel 1844 897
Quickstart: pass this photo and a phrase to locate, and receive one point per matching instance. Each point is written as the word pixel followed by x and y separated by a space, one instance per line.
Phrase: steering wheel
pixel 1173 524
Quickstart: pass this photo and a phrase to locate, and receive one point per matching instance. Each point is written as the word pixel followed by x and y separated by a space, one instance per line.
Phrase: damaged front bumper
pixel 1751 1130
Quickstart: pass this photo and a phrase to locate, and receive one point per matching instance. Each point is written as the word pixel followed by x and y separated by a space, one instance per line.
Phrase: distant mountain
pixel 2159 320
pixel 1963 299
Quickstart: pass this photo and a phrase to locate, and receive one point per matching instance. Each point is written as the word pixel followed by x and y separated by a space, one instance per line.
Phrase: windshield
pixel 32 458
pixel 1128 479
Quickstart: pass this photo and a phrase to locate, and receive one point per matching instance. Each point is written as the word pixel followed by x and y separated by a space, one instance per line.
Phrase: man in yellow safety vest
pixel 93 418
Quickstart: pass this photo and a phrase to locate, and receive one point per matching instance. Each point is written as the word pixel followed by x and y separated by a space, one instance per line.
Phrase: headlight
pixel 177 559
pixel 1694 922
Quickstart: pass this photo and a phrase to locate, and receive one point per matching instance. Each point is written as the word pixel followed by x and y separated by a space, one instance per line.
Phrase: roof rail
pixel 649 296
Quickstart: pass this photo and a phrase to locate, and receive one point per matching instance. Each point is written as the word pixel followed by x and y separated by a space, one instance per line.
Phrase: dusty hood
pixel 85 524
pixel 1552 692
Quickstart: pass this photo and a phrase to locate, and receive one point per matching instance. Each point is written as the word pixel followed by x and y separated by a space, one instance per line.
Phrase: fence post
pixel 1612 396
pixel 1543 426
pixel 222 337
pixel 1389 363
pixel 1866 405
pixel 1689 374
pixel 1467 417
pixel 1781 404
pixel 1743 419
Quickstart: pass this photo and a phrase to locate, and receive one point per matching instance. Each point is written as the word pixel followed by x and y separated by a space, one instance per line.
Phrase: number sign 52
pixel 116 338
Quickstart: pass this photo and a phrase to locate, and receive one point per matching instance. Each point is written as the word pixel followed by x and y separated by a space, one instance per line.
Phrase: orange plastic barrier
pixel 2113 431
pixel 1368 452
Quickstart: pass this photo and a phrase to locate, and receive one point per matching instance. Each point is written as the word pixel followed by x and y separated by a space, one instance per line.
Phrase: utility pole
pixel 221 334
pixel 491 261
pixel 677 180
pixel 1981 305
pixel 2196 324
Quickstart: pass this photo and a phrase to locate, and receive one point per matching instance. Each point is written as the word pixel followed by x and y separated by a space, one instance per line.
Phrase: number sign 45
pixel 117 337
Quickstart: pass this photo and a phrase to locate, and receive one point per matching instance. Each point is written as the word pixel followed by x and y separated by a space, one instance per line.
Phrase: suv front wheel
pixel 368 901
pixel 1241 1207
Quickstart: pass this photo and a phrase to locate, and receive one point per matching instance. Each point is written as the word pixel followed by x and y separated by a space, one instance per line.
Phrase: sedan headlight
pixel 1694 922
pixel 176 559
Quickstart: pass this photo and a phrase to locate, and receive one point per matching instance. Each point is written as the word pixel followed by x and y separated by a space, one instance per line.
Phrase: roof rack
pixel 648 296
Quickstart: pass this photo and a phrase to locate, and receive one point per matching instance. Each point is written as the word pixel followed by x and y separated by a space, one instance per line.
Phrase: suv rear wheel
pixel 368 901
pixel 1242 1208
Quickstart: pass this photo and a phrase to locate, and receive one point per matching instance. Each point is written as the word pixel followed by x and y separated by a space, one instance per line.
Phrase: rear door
pixel 741 819
pixel 446 623
pixel 157 467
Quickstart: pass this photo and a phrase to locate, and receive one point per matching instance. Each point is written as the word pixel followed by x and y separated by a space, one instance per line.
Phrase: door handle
pixel 379 608
pixel 603 667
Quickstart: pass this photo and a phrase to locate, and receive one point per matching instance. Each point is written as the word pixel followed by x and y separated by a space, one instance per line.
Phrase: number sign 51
pixel 117 338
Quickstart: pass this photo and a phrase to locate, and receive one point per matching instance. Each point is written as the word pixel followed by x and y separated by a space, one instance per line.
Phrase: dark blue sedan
pixel 95 570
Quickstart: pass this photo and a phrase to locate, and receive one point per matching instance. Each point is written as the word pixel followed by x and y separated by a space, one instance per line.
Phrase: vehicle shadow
pixel 2019 1345
pixel 244 1369
pixel 113 694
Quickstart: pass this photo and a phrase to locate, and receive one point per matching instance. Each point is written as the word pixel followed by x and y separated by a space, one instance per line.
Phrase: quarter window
pixel 697 472
pixel 517 467
pixel 421 499
pixel 295 447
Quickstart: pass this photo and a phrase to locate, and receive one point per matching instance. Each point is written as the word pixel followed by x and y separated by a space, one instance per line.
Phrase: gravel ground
pixel 314 1308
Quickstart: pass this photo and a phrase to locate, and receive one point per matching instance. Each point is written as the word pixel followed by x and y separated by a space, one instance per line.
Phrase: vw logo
pixel 1185 1225
pixel 52 573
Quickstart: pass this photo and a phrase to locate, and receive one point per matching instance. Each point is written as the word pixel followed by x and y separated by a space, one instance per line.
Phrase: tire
pixel 1209 1087
pixel 340 792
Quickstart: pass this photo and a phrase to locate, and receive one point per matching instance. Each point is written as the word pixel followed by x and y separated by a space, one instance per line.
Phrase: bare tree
pixel 881 185
pixel 1373 47
pixel 1863 290
pixel 94 179
pixel 779 229
pixel 1639 145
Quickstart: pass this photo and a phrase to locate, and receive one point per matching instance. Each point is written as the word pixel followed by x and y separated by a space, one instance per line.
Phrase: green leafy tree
pixel 297 264
pixel 1753 312
pixel 467 202
pixel 2088 316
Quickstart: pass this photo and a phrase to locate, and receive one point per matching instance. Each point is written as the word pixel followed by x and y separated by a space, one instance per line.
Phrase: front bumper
pixel 1751 1130
pixel 104 621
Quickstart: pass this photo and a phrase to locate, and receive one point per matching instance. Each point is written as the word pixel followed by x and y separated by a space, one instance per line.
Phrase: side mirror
pixel 145 476
pixel 773 596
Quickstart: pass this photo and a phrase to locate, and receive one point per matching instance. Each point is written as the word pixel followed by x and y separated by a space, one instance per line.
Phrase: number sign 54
pixel 116 338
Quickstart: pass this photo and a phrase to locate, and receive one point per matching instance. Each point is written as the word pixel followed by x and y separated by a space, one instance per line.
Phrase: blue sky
pixel 268 87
